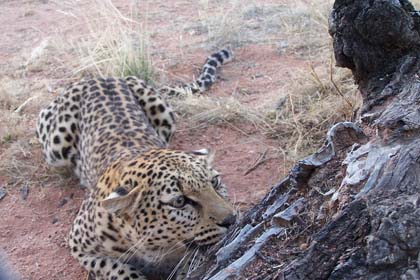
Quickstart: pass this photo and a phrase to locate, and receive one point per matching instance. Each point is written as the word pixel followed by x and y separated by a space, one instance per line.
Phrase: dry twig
pixel 261 159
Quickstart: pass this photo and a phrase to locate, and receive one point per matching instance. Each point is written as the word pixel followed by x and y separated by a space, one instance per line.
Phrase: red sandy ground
pixel 33 232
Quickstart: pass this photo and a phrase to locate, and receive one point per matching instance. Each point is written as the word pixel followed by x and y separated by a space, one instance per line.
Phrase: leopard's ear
pixel 207 153
pixel 121 201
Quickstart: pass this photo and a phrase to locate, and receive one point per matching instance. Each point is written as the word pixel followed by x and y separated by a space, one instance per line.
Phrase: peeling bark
pixel 351 210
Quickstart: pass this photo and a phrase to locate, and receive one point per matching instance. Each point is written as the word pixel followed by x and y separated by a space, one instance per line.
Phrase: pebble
pixel 2 193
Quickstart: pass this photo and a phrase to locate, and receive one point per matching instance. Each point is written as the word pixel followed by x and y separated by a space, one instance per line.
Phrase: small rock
pixel 253 12
pixel 54 220
pixel 24 191
pixel 29 14
pixel 256 76
pixel 254 25
pixel 2 193
pixel 63 201
pixel 282 44
pixel 197 30
pixel 280 103
pixel 303 246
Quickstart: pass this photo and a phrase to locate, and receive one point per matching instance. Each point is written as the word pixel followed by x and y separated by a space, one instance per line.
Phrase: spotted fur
pixel 146 213
pixel 207 77
pixel 148 205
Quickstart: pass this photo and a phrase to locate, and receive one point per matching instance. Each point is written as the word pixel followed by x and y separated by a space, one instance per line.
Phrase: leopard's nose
pixel 228 221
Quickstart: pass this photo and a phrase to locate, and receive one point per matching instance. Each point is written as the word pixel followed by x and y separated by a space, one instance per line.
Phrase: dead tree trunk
pixel 351 210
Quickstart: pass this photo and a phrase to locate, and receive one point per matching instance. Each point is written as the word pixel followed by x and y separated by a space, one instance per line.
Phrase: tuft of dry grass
pixel 305 29
pixel 238 23
pixel 320 96
pixel 12 92
pixel 203 110
pixel 20 102
pixel 21 166
pixel 315 101
pixel 110 44
pixel 299 26
pixel 223 25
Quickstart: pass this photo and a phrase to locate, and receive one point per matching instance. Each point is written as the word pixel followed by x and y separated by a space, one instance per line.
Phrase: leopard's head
pixel 172 199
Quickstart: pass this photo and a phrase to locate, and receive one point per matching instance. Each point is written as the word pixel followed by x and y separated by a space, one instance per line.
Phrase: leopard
pixel 147 206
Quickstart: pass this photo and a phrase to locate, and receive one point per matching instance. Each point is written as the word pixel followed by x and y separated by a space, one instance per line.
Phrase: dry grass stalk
pixel 315 102
pixel 319 96
pixel 196 110
pixel 305 26
pixel 113 44
pixel 223 25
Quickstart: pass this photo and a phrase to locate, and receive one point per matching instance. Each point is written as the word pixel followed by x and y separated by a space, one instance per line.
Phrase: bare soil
pixel 34 230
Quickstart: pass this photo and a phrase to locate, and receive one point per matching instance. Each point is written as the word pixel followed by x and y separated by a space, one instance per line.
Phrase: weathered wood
pixel 344 232
pixel 361 218
pixel 234 269
pixel 233 255
pixel 285 217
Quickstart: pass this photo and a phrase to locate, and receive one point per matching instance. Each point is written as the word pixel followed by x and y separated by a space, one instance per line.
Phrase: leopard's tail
pixel 207 77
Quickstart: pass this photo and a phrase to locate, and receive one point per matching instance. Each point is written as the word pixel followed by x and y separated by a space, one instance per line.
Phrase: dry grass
pixel 22 164
pixel 315 101
pixel 223 25
pixel 238 23
pixel 12 92
pixel 107 43
pixel 321 95
pixel 315 98
pixel 305 29
pixel 21 161
pixel 299 26
pixel 110 44
pixel 196 111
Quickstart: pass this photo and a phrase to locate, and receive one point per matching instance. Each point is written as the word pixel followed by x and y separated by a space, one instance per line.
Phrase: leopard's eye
pixel 178 202
pixel 215 181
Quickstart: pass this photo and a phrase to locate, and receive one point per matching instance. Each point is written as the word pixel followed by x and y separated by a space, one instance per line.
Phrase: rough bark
pixel 351 210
